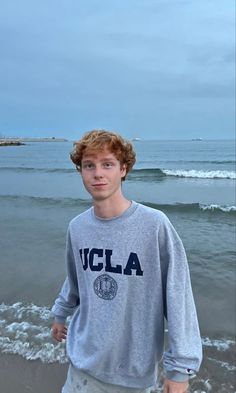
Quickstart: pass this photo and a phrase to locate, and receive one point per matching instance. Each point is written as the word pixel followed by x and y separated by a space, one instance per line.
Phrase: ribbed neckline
pixel 128 212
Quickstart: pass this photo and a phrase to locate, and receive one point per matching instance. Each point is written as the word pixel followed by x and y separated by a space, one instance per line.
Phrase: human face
pixel 102 173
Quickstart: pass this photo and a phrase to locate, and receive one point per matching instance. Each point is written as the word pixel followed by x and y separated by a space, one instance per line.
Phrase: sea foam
pixel 215 207
pixel 201 174
pixel 26 331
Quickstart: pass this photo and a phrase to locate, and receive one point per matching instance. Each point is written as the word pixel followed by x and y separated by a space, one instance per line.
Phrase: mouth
pixel 99 185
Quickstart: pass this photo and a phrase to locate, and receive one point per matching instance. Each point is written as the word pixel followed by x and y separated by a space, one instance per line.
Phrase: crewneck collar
pixel 121 216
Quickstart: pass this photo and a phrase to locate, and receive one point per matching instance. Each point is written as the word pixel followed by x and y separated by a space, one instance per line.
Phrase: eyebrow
pixel 104 159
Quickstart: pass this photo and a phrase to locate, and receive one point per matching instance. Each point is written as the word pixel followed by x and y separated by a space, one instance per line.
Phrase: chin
pixel 97 197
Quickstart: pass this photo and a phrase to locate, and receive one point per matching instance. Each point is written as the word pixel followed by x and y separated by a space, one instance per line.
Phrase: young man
pixel 126 273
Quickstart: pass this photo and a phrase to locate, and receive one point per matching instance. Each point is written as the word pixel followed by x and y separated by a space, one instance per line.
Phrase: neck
pixel 109 209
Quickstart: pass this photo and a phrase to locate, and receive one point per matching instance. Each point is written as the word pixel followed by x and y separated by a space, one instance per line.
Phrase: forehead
pixel 103 154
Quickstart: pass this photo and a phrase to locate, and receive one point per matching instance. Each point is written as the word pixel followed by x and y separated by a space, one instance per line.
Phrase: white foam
pixel 22 336
pixel 46 352
pixel 42 336
pixel 226 365
pixel 213 207
pixel 201 174
pixel 220 345
pixel 19 310
pixel 21 326
pixel 26 331
pixel 2 322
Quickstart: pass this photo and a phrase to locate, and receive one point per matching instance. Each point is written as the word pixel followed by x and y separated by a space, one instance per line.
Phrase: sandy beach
pixel 22 376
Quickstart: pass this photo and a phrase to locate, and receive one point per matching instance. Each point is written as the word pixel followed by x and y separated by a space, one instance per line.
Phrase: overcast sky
pixel 155 69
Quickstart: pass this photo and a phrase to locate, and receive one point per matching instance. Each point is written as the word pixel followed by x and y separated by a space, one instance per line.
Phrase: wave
pixel 218 162
pixel 220 345
pixel 226 365
pixel 46 201
pixel 74 202
pixel 200 174
pixel 209 162
pixel 26 331
pixel 193 207
pixel 144 174
pixel 152 174
pixel 23 169
pixel 225 209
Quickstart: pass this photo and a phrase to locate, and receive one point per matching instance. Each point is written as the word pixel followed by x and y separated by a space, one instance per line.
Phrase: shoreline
pixel 21 141
pixel 32 376
pixel 20 375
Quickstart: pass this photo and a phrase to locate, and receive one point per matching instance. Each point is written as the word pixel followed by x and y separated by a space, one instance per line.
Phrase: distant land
pixel 21 141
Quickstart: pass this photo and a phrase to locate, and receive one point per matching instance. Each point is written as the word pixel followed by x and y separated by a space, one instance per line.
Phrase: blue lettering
pixel 133 264
pixel 88 260
pixel 85 259
pixel 109 268
pixel 99 253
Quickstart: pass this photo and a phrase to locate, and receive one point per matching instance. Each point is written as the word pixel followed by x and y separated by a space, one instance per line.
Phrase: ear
pixel 123 170
pixel 78 168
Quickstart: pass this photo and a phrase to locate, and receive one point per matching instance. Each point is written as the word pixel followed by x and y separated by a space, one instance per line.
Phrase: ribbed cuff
pixel 59 319
pixel 177 376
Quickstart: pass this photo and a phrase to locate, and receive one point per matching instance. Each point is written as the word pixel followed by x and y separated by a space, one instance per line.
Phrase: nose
pixel 98 172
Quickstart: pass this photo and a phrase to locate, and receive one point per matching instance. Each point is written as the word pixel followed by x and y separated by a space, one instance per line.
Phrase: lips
pixel 98 184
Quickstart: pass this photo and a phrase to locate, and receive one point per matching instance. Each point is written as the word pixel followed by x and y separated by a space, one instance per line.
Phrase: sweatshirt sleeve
pixel 184 355
pixel 68 299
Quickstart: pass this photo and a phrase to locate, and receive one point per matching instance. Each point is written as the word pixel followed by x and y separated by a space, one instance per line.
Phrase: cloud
pixel 76 63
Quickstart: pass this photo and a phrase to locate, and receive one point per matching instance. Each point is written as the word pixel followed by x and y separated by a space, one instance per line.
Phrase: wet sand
pixel 18 375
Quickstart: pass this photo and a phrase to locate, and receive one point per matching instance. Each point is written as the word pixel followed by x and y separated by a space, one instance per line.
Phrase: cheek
pixel 85 180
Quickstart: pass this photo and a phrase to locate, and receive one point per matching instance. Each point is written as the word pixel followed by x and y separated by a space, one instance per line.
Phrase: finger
pixel 56 335
pixel 165 390
pixel 63 334
pixel 62 329
pixel 59 337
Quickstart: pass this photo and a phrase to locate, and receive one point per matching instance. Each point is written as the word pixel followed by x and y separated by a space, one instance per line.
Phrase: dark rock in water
pixel 8 142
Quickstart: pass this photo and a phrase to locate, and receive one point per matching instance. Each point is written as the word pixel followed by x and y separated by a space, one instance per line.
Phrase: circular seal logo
pixel 105 287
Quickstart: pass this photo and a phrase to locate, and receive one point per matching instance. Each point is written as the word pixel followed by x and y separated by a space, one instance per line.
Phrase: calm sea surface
pixel 193 182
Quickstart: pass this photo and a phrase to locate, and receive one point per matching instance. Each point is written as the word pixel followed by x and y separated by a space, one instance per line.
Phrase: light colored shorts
pixel 78 381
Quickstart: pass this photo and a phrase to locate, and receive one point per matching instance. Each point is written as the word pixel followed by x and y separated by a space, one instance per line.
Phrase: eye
pixel 88 165
pixel 108 164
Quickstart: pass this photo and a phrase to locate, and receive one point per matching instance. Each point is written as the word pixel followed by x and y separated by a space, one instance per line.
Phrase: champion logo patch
pixel 105 287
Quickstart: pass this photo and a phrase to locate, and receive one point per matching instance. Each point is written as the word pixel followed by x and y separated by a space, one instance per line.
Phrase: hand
pixel 59 331
pixel 175 387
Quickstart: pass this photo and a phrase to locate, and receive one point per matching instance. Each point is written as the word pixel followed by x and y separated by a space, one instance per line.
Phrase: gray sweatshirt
pixel 125 275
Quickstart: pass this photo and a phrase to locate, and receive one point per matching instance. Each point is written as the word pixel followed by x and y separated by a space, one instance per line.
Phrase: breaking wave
pixel 144 174
pixel 46 201
pixel 193 207
pixel 152 174
pixel 26 331
pixel 74 202
pixel 201 174
pixel 23 169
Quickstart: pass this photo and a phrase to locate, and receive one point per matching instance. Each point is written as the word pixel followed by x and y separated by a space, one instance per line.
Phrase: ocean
pixel 193 182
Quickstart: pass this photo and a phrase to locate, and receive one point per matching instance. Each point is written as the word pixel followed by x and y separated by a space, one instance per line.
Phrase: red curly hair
pixel 97 140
